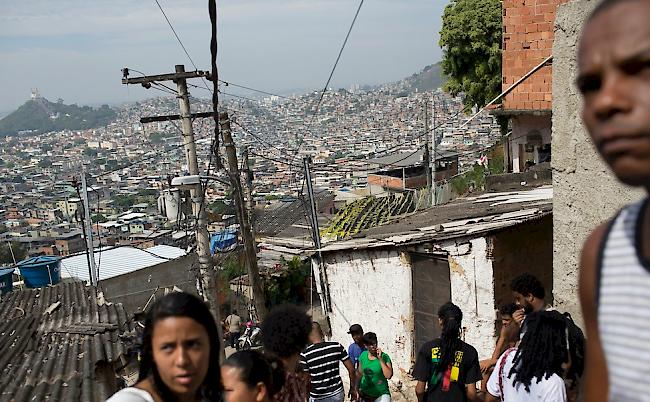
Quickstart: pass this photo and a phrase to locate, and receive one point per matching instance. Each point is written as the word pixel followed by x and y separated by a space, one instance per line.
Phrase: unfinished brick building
pixel 527 41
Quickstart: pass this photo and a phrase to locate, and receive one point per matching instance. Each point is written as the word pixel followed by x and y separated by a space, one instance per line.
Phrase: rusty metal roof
pixel 470 216
pixel 60 343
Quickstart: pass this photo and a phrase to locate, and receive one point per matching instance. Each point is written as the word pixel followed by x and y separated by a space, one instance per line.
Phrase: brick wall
pixel 527 41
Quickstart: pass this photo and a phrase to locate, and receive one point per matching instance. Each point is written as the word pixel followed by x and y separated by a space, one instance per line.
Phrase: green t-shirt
pixel 373 382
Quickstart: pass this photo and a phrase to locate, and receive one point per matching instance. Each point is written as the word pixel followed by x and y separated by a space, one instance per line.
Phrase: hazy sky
pixel 74 49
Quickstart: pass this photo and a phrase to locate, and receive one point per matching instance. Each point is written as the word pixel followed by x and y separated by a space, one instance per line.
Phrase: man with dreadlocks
pixel 533 371
pixel 447 368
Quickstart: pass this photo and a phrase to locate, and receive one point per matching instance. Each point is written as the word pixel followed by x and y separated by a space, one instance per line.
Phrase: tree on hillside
pixel 20 252
pixel 471 41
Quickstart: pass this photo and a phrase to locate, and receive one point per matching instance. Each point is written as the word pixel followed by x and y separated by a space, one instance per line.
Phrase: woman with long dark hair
pixel 250 376
pixel 179 361
pixel 533 371
pixel 447 368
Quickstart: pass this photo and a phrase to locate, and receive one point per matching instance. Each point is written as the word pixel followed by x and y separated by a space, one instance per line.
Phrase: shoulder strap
pixel 501 367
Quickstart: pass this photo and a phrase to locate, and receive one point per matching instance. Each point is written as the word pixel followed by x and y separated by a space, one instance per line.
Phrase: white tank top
pixel 623 300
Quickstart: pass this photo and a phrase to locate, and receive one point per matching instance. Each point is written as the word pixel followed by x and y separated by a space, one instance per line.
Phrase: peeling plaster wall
pixel 472 289
pixel 373 288
pixel 585 192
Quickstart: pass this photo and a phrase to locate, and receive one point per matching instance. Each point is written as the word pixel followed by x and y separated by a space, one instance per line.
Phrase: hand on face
pixel 518 316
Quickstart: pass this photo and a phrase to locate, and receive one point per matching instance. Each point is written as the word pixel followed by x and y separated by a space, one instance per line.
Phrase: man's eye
pixel 587 86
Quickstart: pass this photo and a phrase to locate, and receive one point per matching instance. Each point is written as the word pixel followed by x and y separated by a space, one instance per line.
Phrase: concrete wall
pixel 585 192
pixel 373 288
pixel 135 288
pixel 472 289
pixel 524 248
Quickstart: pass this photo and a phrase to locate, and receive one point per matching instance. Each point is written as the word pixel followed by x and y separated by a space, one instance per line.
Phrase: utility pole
pixel 315 230
pixel 427 153
pixel 206 266
pixel 250 203
pixel 242 215
pixel 434 192
pixel 86 224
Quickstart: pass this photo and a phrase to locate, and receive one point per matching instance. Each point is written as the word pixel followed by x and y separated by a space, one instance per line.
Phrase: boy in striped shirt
pixel 321 360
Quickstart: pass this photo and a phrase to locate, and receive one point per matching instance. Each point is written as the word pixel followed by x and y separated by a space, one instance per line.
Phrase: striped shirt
pixel 624 306
pixel 321 360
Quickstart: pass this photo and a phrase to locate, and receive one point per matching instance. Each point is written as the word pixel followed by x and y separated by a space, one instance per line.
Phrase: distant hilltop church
pixel 43 104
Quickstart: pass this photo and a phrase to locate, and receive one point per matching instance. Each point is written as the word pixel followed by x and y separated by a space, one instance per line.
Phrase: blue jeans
pixel 338 397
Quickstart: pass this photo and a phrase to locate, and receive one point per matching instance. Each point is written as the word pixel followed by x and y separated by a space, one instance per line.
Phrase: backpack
pixel 576 345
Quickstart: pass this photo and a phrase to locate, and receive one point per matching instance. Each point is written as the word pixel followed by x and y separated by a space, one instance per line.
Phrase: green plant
pixel 19 252
pixel 472 180
pixel 471 41
pixel 288 282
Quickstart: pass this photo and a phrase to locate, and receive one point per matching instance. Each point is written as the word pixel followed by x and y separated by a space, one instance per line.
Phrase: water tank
pixel 6 281
pixel 169 205
pixel 40 271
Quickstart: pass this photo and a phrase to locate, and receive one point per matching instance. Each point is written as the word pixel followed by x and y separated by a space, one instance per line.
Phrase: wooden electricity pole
pixel 206 266
pixel 242 215
pixel 250 203
pixel 427 155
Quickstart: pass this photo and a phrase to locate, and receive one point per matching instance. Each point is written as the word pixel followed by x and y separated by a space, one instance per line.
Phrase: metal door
pixel 431 289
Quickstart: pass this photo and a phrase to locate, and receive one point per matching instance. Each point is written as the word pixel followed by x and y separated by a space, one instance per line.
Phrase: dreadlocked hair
pixel 542 350
pixel 451 316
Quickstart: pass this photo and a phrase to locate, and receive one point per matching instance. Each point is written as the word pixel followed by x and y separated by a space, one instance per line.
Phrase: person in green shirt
pixel 375 369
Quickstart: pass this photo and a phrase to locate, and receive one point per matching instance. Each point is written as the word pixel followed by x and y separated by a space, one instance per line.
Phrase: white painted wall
pixel 522 126
pixel 373 288
pixel 472 289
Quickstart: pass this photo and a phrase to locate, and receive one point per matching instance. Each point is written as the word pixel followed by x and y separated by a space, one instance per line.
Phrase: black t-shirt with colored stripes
pixel 321 360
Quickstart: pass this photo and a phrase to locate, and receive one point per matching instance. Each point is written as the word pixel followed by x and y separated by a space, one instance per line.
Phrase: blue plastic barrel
pixel 40 271
pixel 6 281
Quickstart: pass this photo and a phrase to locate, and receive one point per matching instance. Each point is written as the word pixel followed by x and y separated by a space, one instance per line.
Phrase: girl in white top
pixel 533 371
pixel 180 354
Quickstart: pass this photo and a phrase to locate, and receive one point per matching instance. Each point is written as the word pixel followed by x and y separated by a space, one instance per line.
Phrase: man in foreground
pixel 614 79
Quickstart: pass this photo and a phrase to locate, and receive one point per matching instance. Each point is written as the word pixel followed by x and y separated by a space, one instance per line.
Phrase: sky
pixel 75 49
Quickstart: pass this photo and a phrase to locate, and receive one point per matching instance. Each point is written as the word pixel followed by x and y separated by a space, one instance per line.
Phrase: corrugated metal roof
pixel 56 342
pixel 118 261
pixel 470 216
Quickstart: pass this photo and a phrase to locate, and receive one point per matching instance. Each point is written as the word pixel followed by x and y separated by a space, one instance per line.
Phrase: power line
pixel 263 142
pixel 226 93
pixel 320 99
pixel 147 158
pixel 180 42
pixel 228 83
pixel 347 36
pixel 160 84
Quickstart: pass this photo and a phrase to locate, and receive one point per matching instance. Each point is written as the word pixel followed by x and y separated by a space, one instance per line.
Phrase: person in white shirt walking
pixel 533 371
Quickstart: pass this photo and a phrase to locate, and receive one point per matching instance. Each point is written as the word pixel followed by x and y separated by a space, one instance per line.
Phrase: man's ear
pixel 261 392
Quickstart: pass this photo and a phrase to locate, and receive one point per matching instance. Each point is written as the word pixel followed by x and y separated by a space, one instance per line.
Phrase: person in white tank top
pixel 614 80
pixel 180 354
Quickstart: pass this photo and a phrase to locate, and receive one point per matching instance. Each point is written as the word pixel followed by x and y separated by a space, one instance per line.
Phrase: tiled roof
pixel 60 343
